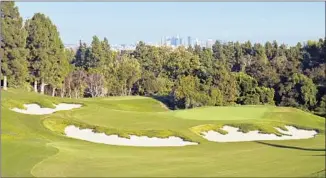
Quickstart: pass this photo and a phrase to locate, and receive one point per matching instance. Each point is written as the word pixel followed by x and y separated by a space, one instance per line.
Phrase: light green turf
pixel 224 113
pixel 35 146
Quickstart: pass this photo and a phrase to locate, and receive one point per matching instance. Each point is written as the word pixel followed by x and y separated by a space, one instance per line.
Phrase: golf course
pixel 36 145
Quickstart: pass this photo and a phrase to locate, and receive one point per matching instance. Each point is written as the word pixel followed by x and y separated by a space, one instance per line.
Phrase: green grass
pixel 224 113
pixel 58 126
pixel 35 145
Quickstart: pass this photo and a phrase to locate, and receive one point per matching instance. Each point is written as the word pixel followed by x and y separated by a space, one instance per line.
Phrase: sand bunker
pixel 89 135
pixel 35 109
pixel 234 135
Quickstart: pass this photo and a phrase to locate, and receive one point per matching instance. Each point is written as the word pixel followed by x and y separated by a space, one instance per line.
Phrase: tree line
pixel 34 57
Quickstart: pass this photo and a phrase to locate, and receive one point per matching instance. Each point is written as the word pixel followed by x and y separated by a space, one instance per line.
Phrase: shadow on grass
pixel 321 173
pixel 318 155
pixel 291 147
pixel 166 100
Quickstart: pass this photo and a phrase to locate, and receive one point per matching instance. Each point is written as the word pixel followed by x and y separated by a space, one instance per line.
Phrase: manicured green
pixel 224 113
pixel 35 146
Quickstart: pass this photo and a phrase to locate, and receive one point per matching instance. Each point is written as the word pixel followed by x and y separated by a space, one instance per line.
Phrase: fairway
pixel 33 145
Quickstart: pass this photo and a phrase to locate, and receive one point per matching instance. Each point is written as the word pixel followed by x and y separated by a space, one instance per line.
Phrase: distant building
pixel 163 41
pixel 197 42
pixel 189 41
pixel 73 47
pixel 168 42
pixel 209 43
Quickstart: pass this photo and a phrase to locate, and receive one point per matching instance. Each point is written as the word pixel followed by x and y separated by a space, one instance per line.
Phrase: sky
pixel 129 22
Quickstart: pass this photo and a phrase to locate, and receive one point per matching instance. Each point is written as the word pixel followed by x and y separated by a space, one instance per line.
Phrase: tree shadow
pixel 166 100
pixel 320 173
pixel 318 155
pixel 291 147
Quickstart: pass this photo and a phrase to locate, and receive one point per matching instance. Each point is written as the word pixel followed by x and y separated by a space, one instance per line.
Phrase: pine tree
pixel 47 56
pixel 13 52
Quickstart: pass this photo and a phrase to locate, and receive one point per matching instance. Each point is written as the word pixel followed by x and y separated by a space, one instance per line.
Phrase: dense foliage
pixel 229 73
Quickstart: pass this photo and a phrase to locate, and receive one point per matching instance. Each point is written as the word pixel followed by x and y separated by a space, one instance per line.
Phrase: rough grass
pixel 207 127
pixel 31 149
pixel 58 126
pixel 243 127
pixel 43 101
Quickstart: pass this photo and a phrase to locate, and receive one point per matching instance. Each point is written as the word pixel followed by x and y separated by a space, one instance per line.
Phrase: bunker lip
pixel 35 109
pixel 140 141
pixel 234 135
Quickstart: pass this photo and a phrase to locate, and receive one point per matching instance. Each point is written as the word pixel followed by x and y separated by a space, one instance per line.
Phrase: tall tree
pixel 46 51
pixel 13 42
pixel 297 90
pixel 218 51
pixel 80 56
pixel 187 92
pixel 259 53
pixel 127 73
pixel 225 82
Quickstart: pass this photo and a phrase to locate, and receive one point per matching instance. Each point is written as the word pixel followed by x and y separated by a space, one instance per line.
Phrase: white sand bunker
pixel 234 135
pixel 89 135
pixel 35 109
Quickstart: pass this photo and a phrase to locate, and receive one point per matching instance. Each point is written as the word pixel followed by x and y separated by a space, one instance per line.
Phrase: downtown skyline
pixel 170 41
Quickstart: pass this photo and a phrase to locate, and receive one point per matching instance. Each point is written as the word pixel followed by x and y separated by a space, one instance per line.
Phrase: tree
pixel 80 56
pixel 75 84
pixel 269 50
pixel 127 73
pixel 181 63
pixel 60 66
pixel 95 84
pixel 13 42
pixel 264 73
pixel 206 60
pixel 266 95
pixel 46 51
pixel 223 80
pixel 187 92
pixel 245 83
pixel 197 49
pixel 229 52
pixel 97 55
pixel 259 53
pixel 297 91
pixel 238 55
pixel 250 92
pixel 321 107
pixel 216 97
pixel 247 48
pixel 246 86
pixel 218 51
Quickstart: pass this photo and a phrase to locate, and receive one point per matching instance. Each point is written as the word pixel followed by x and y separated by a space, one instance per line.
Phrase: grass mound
pixel 247 127
pixel 58 125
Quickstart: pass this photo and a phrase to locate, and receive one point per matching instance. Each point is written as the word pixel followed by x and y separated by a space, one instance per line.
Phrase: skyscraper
pixel 163 41
pixel 209 43
pixel 189 41
pixel 177 41
pixel 197 42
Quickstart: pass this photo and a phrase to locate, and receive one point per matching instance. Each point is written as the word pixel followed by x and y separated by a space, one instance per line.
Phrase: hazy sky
pixel 126 22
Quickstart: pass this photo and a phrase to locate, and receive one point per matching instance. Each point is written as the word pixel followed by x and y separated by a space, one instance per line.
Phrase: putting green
pixel 29 148
pixel 224 113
